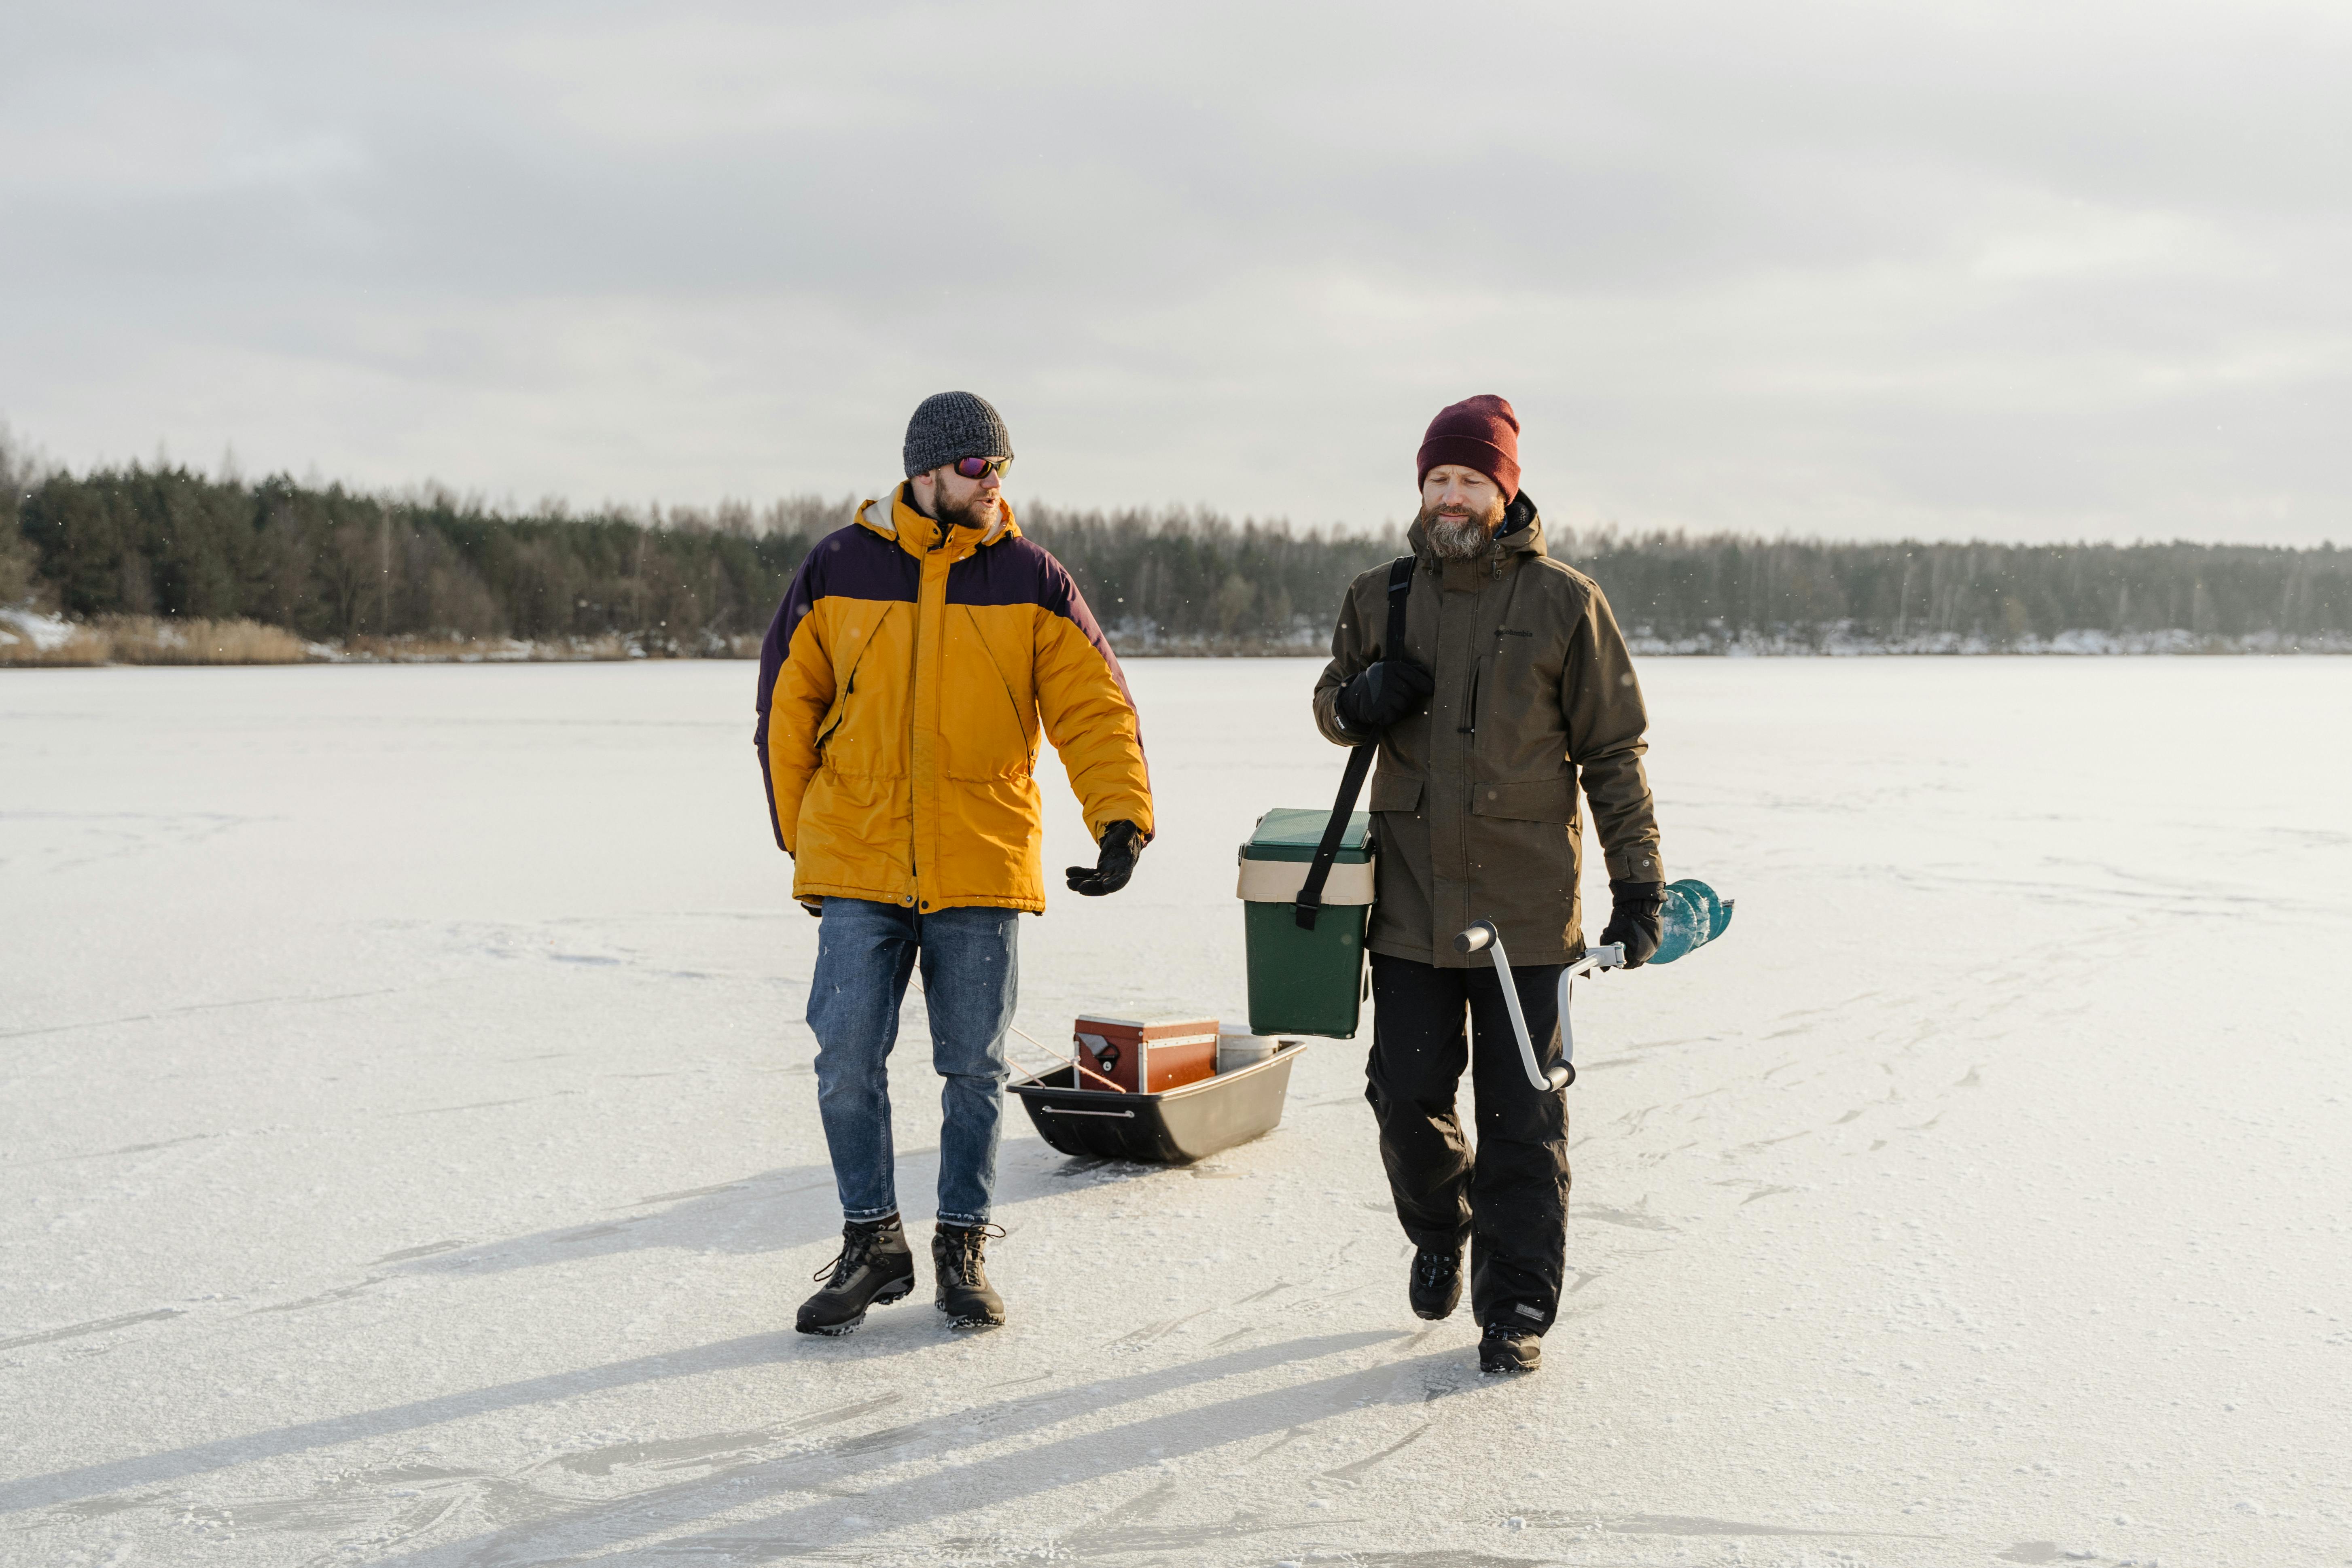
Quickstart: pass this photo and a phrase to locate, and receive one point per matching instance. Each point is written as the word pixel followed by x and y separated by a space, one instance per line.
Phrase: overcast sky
pixel 2029 271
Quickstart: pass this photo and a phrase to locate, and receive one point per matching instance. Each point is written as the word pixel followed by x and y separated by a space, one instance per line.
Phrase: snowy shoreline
pixel 30 639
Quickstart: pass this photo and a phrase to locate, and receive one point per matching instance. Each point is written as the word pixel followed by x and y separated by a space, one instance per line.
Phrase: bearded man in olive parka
pixel 1513 688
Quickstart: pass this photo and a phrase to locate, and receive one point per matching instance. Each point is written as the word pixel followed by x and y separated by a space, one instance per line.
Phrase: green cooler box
pixel 1304 982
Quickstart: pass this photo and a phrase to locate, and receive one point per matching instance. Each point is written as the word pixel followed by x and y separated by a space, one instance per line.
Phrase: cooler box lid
pixel 1292 833
pixel 1157 1031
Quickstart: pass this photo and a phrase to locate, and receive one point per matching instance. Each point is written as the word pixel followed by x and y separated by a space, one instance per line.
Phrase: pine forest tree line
pixel 333 564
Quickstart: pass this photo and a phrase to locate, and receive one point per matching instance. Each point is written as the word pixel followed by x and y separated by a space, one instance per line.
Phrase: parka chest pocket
pixel 1517 732
pixel 856 738
pixel 1527 657
pixel 987 729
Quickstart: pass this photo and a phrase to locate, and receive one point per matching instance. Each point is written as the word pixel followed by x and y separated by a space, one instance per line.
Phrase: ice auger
pixel 1691 916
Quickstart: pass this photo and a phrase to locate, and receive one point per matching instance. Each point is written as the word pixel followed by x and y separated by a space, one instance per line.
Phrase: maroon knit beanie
pixel 1479 433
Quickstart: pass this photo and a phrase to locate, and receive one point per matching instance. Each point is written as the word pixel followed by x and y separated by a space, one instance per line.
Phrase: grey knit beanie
pixel 953 425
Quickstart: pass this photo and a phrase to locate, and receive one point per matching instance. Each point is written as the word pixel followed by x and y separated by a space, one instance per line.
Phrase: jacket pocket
pixel 1527 800
pixel 1395 792
pixel 852 740
pixel 986 733
pixel 990 834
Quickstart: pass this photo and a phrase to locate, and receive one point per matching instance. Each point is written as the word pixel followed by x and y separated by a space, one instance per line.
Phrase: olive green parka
pixel 1475 798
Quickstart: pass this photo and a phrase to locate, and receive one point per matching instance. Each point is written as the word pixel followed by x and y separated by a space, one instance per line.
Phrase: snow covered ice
pixel 409 1152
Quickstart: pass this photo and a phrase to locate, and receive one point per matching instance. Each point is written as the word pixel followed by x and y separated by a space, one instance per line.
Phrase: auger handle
pixel 1484 938
pixel 1595 958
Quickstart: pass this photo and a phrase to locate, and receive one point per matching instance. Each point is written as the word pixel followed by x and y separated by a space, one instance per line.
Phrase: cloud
pixel 2018 271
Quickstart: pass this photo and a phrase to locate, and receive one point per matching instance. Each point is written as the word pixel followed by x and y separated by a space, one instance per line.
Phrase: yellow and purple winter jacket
pixel 902 687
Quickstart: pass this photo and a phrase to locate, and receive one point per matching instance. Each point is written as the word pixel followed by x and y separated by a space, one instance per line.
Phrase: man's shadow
pixel 825 1498
pixel 774 1211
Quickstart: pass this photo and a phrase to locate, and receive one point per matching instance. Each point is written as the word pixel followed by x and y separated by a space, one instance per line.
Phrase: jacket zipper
pixel 914 839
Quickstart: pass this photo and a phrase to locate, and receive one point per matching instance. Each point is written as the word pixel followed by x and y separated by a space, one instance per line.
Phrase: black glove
pixel 1384 693
pixel 1634 919
pixel 1121 843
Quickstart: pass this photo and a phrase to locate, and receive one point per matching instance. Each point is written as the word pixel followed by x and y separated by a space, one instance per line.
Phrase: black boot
pixel 965 1294
pixel 1506 1349
pixel 874 1269
pixel 1436 1283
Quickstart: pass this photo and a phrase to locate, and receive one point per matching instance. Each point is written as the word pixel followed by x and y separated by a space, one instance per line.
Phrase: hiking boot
pixel 1436 1285
pixel 1503 1349
pixel 965 1294
pixel 873 1269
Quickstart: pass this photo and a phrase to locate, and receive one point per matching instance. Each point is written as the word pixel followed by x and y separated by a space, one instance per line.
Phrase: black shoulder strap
pixel 1359 762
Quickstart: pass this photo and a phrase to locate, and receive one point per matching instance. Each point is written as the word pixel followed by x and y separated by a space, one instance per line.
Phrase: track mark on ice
pixel 475 1105
pixel 1017 1382
pixel 1143 1505
pixel 1681 1524
pixel 1284 1441
pixel 688 1193
pixel 109 1153
pixel 1150 1331
pixel 96 1326
pixel 344 1293
pixel 1638 1217
pixel 1349 1472
pixel 428 1250
pixel 99 1508
pixel 1762 1189
pixel 709 1447
pixel 1165 1538
pixel 192 1007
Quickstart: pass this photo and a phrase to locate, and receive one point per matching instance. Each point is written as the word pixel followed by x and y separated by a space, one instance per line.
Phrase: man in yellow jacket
pixel 904 682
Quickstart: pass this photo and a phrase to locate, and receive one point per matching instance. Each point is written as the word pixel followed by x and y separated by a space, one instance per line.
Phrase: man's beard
pixel 980 511
pixel 1457 537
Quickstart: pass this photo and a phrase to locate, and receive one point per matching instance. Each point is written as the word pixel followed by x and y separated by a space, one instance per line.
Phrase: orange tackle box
pixel 1144 1056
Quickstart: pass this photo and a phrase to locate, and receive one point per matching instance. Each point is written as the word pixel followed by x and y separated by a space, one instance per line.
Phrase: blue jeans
pixel 865 953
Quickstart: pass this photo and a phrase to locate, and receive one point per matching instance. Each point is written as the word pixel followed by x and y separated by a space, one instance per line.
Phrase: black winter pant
pixel 1511 1202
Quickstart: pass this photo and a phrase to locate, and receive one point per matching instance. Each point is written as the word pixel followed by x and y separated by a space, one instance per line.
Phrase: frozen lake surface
pixel 409 1154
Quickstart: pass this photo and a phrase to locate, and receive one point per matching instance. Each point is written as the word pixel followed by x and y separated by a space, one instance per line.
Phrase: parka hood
pixel 896 517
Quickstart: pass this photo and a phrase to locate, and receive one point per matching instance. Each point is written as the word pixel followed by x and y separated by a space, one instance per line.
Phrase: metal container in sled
pixel 1147 1055
pixel 1174 1127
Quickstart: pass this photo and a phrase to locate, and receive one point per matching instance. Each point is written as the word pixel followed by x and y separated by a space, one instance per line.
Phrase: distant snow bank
pixel 1842 642
pixel 30 629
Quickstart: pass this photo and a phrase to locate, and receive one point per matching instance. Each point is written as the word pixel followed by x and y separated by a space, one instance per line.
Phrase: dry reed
pixel 149 639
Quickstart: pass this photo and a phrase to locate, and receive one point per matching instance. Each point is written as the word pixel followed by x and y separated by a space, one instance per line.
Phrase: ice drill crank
pixel 1484 938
